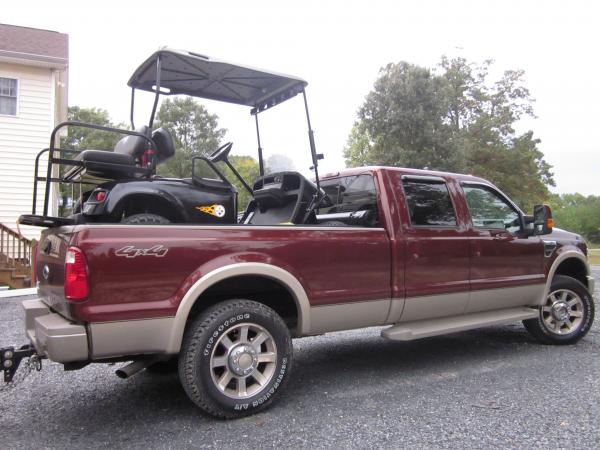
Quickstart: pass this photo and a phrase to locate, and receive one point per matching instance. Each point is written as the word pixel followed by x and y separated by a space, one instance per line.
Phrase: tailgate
pixel 50 267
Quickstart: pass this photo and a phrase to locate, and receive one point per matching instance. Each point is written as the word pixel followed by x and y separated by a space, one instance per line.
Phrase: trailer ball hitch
pixel 10 359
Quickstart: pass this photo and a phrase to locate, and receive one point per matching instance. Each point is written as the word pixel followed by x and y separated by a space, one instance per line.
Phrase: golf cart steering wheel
pixel 221 153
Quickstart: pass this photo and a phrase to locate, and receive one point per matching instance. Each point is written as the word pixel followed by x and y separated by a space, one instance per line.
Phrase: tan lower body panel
pixel 132 337
pixel 492 299
pixel 348 316
pixel 408 331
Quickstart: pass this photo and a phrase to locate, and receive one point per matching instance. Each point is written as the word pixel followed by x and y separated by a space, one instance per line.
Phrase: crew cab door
pixel 506 263
pixel 436 273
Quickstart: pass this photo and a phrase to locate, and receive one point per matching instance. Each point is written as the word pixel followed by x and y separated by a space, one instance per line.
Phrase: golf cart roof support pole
pixel 132 105
pixel 157 87
pixel 311 139
pixel 261 167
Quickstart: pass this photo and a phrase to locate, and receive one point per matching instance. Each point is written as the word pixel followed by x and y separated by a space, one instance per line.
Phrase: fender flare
pixel 233 270
pixel 121 192
pixel 558 261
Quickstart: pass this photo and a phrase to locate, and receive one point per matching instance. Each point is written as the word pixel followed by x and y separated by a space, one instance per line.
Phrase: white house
pixel 33 99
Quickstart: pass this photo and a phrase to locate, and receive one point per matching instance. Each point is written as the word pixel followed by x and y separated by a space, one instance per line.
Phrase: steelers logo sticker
pixel 213 210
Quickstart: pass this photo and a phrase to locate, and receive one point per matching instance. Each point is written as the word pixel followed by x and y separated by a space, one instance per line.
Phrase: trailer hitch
pixel 10 359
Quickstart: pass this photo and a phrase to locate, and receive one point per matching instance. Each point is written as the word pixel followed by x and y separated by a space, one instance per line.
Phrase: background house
pixel 33 99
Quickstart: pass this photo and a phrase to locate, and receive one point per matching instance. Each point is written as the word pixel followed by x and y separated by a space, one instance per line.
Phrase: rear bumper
pixel 54 336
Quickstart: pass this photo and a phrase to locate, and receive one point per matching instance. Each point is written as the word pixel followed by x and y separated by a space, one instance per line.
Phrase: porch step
pixel 11 277
pixel 409 331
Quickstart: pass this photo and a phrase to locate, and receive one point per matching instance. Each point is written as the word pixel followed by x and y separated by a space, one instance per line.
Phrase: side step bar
pixel 409 331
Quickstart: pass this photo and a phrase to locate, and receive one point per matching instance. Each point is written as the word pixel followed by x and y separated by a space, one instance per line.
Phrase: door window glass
pixel 489 210
pixel 429 203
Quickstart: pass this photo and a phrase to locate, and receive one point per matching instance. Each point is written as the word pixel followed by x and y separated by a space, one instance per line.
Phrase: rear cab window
pixel 429 203
pixel 351 200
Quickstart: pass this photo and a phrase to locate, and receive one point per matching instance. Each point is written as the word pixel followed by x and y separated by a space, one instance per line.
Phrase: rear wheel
pixel 566 316
pixel 145 219
pixel 235 358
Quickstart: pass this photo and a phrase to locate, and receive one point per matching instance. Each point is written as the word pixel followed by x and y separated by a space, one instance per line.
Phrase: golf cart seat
pixel 279 198
pixel 124 161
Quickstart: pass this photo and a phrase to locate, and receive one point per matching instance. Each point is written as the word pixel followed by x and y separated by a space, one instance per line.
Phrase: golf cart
pixel 126 187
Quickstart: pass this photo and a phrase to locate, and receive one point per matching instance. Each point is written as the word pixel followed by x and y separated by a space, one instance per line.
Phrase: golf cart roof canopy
pixel 181 72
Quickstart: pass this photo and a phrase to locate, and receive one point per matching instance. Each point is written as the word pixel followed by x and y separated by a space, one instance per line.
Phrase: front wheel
pixel 566 316
pixel 235 358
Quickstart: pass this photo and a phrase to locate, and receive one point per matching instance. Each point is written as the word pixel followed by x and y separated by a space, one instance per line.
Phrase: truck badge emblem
pixel 213 210
pixel 46 272
pixel 129 251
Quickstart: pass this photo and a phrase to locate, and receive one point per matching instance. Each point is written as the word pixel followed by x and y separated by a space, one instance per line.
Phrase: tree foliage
pixel 453 119
pixel 195 131
pixel 79 138
pixel 578 213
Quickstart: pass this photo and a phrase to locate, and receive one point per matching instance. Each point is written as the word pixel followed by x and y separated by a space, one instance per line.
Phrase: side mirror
pixel 542 220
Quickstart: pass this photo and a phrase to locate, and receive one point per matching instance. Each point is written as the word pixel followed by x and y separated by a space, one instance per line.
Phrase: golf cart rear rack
pixel 58 155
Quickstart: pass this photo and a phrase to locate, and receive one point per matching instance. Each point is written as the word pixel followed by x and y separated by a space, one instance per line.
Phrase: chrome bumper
pixel 54 336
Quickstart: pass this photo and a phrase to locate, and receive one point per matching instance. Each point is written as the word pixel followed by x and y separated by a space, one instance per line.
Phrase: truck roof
pixel 405 171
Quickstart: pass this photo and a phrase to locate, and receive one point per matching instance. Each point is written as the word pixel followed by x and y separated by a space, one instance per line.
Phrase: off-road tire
pixel 203 353
pixel 578 293
pixel 145 219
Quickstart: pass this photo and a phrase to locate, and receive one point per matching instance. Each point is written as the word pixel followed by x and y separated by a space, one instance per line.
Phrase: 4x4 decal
pixel 129 251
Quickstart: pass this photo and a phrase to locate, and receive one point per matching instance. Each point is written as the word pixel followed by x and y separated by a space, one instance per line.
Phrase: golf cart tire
pixel 145 219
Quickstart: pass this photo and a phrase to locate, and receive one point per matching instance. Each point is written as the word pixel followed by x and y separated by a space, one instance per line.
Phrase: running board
pixel 424 328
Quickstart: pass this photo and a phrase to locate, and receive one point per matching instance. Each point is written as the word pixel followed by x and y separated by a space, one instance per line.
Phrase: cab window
pixel 490 210
pixel 351 200
pixel 429 203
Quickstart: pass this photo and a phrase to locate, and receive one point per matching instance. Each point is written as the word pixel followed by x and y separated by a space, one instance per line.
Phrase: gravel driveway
pixel 493 387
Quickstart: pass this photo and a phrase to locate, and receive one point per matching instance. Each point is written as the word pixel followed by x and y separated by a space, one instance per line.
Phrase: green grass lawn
pixel 594 256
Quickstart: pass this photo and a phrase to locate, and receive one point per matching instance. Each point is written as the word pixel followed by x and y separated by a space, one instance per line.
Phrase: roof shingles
pixel 34 42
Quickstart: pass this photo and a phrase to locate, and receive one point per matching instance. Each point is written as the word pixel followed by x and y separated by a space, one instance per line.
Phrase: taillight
pixel 100 196
pixel 76 279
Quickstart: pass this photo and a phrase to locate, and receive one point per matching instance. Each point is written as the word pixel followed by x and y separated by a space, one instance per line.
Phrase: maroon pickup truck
pixel 422 253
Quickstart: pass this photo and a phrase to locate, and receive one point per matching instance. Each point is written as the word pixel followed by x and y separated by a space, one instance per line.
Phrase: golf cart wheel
pixel 567 314
pixel 235 358
pixel 145 219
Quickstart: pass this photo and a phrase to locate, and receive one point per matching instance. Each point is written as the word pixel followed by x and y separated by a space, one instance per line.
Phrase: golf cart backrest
pixel 135 146
pixel 165 146
pixel 279 198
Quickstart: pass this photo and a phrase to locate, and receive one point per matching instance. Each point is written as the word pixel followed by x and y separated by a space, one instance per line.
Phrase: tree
pixel 79 138
pixel 578 213
pixel 194 130
pixel 279 163
pixel 248 169
pixel 452 119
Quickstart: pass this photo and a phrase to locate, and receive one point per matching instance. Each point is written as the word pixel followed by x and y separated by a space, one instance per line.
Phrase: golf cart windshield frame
pixel 176 72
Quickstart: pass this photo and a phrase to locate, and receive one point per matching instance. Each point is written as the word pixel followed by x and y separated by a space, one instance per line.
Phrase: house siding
pixel 21 139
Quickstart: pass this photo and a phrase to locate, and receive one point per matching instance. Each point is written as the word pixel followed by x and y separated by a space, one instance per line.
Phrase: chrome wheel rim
pixel 243 360
pixel 563 312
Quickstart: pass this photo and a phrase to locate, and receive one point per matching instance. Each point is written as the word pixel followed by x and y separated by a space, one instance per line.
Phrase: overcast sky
pixel 339 47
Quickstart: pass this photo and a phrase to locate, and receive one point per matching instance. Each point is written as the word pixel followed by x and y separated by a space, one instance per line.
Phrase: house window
pixel 8 96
